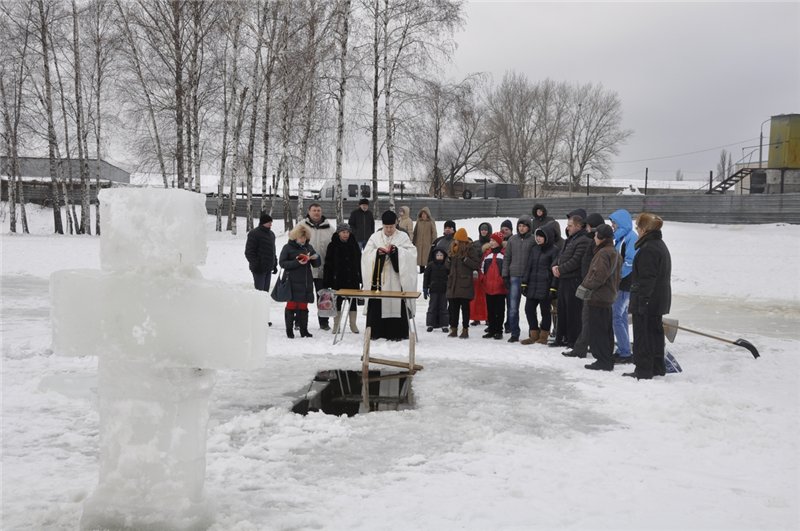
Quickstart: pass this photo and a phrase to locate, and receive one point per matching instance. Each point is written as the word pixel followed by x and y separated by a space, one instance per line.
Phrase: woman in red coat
pixel 477 306
pixel 493 286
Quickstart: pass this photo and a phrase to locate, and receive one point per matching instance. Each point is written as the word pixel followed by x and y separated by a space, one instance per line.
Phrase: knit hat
pixel 507 223
pixel 343 226
pixel 450 223
pixel 264 218
pixel 577 212
pixel 363 201
pixel 389 218
pixel 595 220
pixel 605 232
pixel 498 238
pixel 461 235
pixel 439 252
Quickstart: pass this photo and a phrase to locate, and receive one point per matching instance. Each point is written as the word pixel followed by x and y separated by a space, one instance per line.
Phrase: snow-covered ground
pixel 502 436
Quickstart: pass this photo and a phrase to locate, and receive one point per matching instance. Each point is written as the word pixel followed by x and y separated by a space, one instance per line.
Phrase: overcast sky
pixel 691 76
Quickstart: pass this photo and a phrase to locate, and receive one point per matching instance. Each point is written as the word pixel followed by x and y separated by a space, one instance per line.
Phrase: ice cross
pixel 159 331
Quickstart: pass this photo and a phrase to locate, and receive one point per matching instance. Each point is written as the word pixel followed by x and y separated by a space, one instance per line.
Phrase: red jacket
pixel 491 269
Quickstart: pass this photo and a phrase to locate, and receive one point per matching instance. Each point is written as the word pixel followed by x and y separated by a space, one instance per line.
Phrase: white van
pixel 352 190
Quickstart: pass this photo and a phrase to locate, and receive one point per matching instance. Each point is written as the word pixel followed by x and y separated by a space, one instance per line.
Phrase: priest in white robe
pixel 389 263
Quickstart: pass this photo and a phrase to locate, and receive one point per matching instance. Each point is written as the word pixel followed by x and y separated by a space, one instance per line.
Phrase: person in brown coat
pixel 404 222
pixel 464 260
pixel 602 279
pixel 423 235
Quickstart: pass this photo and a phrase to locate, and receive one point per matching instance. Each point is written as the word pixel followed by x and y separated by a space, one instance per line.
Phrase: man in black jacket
pixel 362 222
pixel 651 297
pixel 568 272
pixel 260 253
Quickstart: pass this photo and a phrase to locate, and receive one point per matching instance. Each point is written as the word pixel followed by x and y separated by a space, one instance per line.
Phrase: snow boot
pixel 302 318
pixel 453 332
pixel 464 333
pixel 288 319
pixel 543 337
pixel 532 338
pixel 353 319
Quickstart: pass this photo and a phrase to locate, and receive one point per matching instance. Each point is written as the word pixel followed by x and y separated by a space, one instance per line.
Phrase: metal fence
pixel 695 208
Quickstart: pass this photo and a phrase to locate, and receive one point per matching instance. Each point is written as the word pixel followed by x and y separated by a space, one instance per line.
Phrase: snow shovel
pixel 671 329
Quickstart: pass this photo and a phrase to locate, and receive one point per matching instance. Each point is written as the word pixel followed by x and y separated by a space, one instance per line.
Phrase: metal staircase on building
pixel 730 181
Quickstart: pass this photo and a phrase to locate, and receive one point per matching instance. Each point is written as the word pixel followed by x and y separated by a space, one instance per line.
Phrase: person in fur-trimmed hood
pixel 297 259
pixel 651 297
pixel 463 261
pixel 423 235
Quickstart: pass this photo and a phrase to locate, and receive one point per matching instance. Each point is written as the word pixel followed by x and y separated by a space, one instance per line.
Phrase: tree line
pixel 271 92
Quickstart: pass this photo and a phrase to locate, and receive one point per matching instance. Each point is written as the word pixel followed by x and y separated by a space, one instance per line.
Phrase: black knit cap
pixel 388 218
pixel 265 218
pixel 507 223
pixel 363 201
pixel 594 220
pixel 605 232
pixel 450 223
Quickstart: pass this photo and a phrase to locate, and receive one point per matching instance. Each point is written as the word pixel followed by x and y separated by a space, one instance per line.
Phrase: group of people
pixel 578 290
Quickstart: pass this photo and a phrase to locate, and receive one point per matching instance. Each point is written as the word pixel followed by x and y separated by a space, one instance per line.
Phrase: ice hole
pixel 339 392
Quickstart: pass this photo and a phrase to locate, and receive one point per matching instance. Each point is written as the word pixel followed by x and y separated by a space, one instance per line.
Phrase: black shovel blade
pixel 749 346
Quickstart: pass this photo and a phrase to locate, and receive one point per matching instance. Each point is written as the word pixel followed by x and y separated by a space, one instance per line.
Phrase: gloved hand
pixel 524 287
pixel 474 275
pixel 425 293
pixel 553 294
pixel 507 283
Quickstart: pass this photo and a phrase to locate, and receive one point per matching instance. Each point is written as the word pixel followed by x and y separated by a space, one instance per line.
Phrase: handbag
pixel 282 290
pixel 326 303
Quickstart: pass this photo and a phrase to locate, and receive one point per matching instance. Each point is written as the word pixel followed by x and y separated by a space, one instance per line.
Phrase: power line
pixel 685 154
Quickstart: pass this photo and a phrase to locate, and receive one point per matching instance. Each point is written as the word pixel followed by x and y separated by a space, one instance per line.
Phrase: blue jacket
pixel 627 236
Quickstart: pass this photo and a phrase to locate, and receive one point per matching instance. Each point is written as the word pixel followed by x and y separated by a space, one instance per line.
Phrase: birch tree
pixel 15 34
pixel 342 37
pixel 47 100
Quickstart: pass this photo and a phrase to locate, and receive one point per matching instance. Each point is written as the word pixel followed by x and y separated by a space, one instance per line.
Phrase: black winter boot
pixel 302 319
pixel 288 319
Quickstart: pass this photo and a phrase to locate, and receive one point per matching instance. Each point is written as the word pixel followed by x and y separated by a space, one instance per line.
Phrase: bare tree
pixel 414 33
pixel 511 124
pixel 81 127
pixel 551 111
pixel 15 35
pixel 594 132
pixel 724 165
pixel 145 88
pixel 105 45
pixel 342 35
pixel 52 142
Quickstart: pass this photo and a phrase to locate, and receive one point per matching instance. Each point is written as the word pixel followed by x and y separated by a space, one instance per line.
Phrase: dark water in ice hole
pixel 338 392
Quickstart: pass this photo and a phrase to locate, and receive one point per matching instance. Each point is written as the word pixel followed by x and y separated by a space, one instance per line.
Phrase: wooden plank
pixel 395 363
pixel 365 294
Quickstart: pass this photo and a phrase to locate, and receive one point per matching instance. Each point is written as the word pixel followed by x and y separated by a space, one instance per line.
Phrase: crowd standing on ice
pixel 578 290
